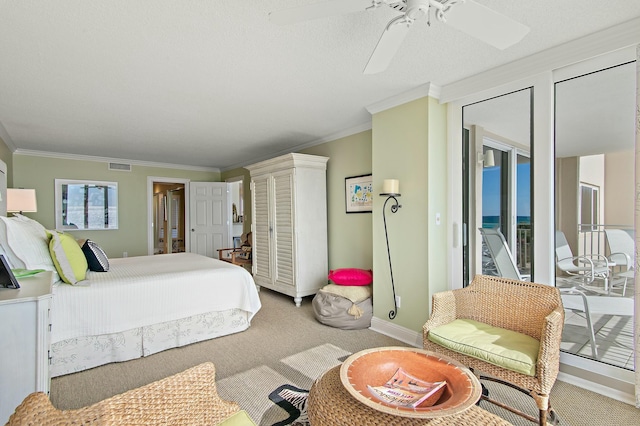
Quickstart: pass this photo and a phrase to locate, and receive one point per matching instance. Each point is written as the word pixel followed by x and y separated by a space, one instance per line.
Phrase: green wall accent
pixel 350 235
pixel 409 144
pixel 7 156
pixel 40 173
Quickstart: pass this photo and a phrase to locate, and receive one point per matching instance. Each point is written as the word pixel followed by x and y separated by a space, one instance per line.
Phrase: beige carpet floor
pixel 277 346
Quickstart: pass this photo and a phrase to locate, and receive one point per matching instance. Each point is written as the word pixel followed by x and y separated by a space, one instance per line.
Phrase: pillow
pixel 27 244
pixel 96 257
pixel 68 257
pixel 351 276
pixel 356 294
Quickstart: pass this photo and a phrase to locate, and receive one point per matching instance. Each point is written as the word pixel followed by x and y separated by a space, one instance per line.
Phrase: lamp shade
pixel 21 200
pixel 391 186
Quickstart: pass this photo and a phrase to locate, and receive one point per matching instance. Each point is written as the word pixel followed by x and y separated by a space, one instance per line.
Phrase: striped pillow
pixel 96 257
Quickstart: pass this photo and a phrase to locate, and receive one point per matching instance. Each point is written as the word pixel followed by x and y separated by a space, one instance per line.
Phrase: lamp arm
pixel 394 209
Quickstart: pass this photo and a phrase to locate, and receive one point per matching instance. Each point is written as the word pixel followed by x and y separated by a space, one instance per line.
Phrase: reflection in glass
pixel 499 193
pixel 594 192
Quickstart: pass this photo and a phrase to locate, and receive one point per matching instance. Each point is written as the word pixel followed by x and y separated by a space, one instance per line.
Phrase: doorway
pixel 497 142
pixel 595 169
pixel 168 210
pixel 169 219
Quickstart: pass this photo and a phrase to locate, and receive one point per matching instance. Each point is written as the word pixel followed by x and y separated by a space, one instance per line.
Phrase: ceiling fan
pixel 467 16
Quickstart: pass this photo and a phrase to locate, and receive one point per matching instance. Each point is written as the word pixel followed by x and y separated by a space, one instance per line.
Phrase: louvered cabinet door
pixel 290 224
pixel 261 230
pixel 283 226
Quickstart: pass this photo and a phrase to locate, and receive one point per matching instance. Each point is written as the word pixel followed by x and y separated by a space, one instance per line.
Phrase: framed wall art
pixel 359 194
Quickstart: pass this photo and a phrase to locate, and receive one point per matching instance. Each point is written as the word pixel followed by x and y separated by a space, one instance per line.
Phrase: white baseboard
pixel 403 334
pixel 414 339
pixel 597 388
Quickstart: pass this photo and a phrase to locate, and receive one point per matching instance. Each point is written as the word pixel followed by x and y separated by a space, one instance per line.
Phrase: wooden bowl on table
pixel 374 367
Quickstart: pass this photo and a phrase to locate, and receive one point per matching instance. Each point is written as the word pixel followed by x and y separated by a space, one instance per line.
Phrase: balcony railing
pixel 592 239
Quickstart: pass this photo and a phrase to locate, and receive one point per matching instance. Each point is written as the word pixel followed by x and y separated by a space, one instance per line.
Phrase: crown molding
pixel 424 90
pixel 64 156
pixel 330 138
pixel 595 44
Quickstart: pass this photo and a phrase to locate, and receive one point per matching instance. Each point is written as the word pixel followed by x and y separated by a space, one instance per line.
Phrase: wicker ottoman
pixel 330 404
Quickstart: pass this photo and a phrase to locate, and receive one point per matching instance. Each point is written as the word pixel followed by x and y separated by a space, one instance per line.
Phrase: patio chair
pixel 583 269
pixel 573 299
pixel 622 253
pixel 496 313
pixel 503 262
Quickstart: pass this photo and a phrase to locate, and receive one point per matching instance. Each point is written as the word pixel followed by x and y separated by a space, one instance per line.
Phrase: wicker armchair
pixel 525 307
pixel 187 398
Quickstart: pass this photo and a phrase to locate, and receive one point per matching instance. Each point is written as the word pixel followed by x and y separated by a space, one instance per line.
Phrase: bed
pixel 142 305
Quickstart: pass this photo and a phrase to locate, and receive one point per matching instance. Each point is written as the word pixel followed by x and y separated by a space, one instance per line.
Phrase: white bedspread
pixel 145 290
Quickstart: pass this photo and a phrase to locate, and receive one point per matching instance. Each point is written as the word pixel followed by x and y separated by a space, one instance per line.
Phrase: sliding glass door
pixel 595 169
pixel 498 174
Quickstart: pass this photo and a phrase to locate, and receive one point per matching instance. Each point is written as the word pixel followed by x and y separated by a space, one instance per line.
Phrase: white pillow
pixel 13 260
pixel 29 243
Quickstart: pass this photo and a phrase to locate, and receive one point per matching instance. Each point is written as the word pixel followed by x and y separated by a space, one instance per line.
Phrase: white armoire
pixel 289 224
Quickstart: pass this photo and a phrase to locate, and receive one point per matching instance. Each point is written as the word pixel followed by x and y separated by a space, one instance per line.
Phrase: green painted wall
pixel 409 144
pixel 7 156
pixel 350 235
pixel 41 172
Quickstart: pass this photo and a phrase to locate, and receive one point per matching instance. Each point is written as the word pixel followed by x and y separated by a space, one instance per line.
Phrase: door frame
pixel 150 224
pixel 583 372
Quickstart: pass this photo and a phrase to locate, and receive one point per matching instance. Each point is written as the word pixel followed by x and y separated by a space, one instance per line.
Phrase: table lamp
pixel 21 200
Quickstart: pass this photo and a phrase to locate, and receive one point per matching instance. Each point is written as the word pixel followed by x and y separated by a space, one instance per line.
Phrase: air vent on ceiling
pixel 122 167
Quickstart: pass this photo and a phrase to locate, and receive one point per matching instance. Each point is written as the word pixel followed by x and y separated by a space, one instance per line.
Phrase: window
pixel 589 207
pixel 86 205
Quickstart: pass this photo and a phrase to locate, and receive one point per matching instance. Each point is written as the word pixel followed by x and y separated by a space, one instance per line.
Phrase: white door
pixel 209 217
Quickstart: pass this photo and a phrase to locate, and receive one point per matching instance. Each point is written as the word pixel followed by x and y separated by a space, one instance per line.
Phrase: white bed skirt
pixel 77 354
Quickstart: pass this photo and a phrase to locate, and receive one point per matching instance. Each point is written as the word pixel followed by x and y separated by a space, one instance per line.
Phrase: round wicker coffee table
pixel 330 404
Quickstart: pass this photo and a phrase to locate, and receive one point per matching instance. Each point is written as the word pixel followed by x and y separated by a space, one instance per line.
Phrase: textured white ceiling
pixel 214 83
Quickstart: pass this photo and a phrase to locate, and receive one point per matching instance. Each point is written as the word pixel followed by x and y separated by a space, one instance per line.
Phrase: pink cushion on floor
pixel 351 276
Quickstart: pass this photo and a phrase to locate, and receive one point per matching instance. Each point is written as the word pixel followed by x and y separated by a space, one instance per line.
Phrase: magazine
pixel 405 390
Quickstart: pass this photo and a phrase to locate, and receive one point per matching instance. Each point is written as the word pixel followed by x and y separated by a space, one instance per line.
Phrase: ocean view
pixel 493 221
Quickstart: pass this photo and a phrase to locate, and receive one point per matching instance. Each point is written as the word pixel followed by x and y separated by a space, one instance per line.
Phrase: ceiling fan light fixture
pixel 417 9
pixel 467 16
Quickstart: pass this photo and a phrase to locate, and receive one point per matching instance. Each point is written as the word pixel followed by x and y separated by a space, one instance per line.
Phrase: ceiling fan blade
pixel 318 10
pixel 485 24
pixel 388 45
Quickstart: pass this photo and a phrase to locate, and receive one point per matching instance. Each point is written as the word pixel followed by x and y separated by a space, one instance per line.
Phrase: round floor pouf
pixel 337 311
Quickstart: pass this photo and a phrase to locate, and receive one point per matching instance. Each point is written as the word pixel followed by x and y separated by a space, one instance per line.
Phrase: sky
pixel 491 190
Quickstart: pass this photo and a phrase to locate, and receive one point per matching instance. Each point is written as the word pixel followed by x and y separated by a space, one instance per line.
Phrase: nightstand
pixel 25 329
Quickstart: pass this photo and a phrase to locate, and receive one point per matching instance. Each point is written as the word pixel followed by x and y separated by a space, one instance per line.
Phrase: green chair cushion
pixel 498 346
pixel 241 418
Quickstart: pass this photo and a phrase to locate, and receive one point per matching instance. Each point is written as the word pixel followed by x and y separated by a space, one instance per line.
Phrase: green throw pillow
pixel 505 348
pixel 68 257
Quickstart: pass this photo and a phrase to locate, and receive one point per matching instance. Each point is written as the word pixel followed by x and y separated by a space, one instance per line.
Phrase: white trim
pixel 108 160
pixel 424 90
pixel 614 375
pixel 187 225
pixel 595 44
pixel 612 393
pixel 400 333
